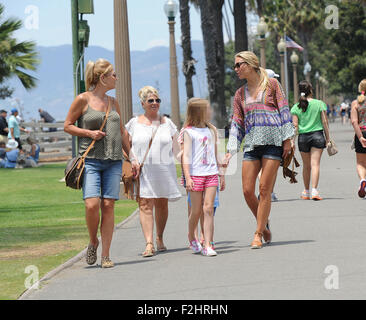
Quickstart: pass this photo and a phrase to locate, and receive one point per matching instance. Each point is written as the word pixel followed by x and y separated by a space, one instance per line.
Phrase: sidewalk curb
pixel 70 262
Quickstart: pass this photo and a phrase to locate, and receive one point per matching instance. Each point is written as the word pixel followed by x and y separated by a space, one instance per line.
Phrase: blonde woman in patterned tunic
pixel 358 119
pixel 103 165
pixel 261 115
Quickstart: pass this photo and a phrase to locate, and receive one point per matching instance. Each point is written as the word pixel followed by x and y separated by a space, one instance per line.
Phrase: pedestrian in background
pixel 15 129
pixel 158 175
pixel 47 118
pixel 261 115
pixel 358 118
pixel 310 120
pixel 4 130
pixel 103 164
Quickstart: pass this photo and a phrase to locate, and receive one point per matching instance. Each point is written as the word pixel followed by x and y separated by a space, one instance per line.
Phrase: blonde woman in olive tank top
pixel 103 165
pixel 358 119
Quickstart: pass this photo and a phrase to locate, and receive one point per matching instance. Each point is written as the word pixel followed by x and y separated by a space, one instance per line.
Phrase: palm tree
pixel 188 61
pixel 211 25
pixel 15 57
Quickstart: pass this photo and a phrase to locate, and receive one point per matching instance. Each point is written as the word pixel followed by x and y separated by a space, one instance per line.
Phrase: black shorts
pixel 358 146
pixel 310 140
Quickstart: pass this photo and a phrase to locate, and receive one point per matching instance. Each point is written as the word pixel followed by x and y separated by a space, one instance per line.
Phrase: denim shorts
pixel 102 179
pixel 267 152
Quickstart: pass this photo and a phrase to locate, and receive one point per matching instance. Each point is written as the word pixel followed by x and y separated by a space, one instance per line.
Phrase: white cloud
pixel 157 43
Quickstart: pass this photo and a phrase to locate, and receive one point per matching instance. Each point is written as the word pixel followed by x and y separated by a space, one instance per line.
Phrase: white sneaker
pixel 195 246
pixel 209 252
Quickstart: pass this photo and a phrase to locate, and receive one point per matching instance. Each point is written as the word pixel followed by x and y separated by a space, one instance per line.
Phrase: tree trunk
pixel 241 34
pixel 188 61
pixel 211 24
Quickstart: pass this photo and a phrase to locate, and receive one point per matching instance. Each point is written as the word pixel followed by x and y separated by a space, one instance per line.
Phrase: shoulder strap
pixel 101 129
pixel 150 143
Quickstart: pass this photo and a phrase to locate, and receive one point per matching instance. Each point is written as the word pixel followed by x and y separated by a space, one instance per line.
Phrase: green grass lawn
pixel 42 223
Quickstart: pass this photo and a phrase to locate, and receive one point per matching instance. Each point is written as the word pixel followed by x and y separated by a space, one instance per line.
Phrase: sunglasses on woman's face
pixel 238 65
pixel 150 101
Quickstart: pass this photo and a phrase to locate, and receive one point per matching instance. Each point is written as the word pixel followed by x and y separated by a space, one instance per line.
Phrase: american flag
pixel 292 44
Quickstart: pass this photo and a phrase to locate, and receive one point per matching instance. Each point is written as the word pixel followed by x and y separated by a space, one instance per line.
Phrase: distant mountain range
pixel 54 92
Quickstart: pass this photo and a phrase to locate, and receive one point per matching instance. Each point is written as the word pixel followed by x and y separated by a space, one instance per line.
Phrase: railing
pixel 55 145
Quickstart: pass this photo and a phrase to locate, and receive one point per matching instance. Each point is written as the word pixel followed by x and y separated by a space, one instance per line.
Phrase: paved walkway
pixel 308 237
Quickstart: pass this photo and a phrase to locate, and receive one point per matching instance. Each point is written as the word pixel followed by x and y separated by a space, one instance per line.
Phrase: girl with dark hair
pixel 310 119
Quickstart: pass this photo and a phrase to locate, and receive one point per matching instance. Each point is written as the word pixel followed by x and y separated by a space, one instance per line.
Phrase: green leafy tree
pixel 15 57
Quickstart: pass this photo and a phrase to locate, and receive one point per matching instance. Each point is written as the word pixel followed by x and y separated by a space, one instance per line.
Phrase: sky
pixel 48 22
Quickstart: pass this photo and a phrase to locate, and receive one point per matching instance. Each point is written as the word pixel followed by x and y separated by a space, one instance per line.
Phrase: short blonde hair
pixel 252 60
pixel 145 91
pixel 94 70
pixel 362 88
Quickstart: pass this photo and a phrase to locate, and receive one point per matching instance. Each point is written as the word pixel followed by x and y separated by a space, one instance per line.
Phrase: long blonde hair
pixel 94 70
pixel 362 88
pixel 197 113
pixel 252 60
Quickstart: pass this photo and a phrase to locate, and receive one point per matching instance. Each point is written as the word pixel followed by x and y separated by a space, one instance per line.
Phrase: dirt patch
pixel 41 250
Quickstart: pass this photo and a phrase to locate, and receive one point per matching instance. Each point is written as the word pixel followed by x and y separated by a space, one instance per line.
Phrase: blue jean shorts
pixel 267 152
pixel 102 179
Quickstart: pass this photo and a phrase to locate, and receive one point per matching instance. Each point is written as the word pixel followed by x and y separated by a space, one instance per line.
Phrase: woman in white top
pixel 158 176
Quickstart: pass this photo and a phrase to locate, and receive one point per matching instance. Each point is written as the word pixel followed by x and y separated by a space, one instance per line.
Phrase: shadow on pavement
pixel 120 263
pixel 284 243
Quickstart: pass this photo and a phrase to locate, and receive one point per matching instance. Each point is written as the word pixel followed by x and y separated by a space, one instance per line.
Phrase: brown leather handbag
pixel 74 172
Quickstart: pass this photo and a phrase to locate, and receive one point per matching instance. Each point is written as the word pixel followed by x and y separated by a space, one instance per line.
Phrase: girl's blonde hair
pixel 197 113
pixel 94 70
pixel 362 88
pixel 252 60
pixel 146 91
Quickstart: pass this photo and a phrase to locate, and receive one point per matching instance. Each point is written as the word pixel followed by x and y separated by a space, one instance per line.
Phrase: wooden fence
pixel 55 145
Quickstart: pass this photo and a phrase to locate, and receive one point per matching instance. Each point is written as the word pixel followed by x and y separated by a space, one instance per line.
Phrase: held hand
pixel 97 134
pixel 226 160
pixel 189 184
pixel 293 146
pixel 135 168
pixel 286 148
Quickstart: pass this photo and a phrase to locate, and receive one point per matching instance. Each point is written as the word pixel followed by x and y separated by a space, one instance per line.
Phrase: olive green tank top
pixel 109 147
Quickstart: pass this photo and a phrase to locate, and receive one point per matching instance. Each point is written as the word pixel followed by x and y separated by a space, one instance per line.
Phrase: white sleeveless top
pixel 203 161
pixel 158 178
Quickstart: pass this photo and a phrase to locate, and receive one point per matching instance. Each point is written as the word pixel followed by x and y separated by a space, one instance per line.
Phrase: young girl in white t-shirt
pixel 201 171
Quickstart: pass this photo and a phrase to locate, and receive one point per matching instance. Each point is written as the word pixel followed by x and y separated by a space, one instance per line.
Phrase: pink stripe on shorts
pixel 203 182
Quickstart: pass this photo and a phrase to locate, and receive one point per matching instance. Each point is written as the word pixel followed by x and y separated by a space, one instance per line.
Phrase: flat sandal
pixel 149 252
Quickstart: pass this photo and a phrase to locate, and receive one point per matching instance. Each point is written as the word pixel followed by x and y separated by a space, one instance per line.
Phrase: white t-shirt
pixel 159 176
pixel 203 159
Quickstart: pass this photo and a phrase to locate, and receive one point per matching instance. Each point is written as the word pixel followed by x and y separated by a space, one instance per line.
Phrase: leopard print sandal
pixel 91 254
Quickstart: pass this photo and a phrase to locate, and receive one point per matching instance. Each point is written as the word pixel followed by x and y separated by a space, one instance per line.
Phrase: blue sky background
pixel 147 23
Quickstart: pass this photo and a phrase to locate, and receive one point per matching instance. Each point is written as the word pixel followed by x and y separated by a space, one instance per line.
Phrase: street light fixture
pixel 317 75
pixel 307 69
pixel 171 9
pixel 262 29
pixel 281 46
pixel 294 60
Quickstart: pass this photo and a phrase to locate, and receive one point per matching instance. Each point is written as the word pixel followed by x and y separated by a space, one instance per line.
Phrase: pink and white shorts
pixel 203 182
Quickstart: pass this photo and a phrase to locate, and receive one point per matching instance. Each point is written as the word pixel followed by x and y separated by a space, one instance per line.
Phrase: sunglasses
pixel 150 101
pixel 238 65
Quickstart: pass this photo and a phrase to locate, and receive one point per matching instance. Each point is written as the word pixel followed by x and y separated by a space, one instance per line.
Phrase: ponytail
pixel 263 80
pixel 306 90
pixel 362 88
pixel 93 72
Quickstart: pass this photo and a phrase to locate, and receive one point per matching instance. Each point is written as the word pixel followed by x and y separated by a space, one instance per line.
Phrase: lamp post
pixel 171 8
pixel 122 59
pixel 294 60
pixel 317 84
pixel 307 69
pixel 262 29
pixel 281 46
pixel 80 40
